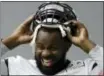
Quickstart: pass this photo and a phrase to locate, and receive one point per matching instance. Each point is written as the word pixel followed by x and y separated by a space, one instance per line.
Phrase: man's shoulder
pixel 76 64
pixel 22 66
pixel 19 59
pixel 74 68
pixel 15 58
pixel 80 65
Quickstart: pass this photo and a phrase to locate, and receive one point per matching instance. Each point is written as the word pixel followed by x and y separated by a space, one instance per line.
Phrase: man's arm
pixel 21 35
pixel 81 40
pixel 81 37
pixel 3 68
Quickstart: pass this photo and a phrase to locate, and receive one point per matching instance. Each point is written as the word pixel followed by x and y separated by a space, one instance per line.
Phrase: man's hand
pixel 21 35
pixel 78 35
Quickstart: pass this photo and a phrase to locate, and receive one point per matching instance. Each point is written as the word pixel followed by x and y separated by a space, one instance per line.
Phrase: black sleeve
pixel 6 62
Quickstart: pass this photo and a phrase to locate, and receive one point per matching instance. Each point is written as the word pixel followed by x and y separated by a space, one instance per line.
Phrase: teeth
pixel 46 61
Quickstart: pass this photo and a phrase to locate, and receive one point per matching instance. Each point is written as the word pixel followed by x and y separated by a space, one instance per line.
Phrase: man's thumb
pixel 67 30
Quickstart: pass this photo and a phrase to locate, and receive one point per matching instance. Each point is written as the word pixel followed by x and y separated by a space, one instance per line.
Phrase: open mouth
pixel 47 62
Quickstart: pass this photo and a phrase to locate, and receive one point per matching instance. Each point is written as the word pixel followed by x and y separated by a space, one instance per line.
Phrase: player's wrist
pixel 10 42
pixel 87 45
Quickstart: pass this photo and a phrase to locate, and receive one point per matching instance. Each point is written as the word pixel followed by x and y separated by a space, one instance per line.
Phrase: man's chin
pixel 51 68
pixel 47 63
pixel 46 69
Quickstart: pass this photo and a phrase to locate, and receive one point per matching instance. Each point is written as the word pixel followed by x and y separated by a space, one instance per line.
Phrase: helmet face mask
pixel 54 10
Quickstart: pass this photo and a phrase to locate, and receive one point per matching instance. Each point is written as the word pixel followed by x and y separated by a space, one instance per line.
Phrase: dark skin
pixel 46 43
pixel 50 49
pixel 51 42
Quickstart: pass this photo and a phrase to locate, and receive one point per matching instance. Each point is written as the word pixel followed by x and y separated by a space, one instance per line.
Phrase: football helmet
pixel 54 13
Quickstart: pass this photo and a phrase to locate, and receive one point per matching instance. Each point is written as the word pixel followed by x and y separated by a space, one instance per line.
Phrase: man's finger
pixel 67 30
pixel 74 23
pixel 83 33
pixel 28 21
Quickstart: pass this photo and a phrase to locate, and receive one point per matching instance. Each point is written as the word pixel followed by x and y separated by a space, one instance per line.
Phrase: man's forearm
pixel 87 46
pixel 10 42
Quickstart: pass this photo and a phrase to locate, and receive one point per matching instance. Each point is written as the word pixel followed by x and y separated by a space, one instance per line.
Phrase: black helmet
pixel 53 13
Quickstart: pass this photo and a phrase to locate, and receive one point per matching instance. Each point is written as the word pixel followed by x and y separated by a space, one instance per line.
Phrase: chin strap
pixel 63 33
pixel 35 34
